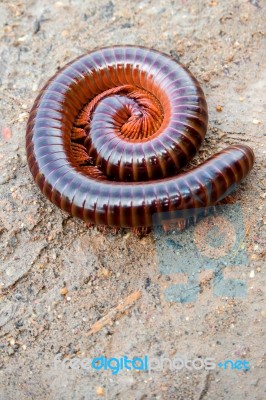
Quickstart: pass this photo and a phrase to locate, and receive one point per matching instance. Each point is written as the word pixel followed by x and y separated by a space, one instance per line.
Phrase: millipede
pixel 109 132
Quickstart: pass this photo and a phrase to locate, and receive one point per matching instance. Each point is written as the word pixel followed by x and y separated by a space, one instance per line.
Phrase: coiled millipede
pixel 108 133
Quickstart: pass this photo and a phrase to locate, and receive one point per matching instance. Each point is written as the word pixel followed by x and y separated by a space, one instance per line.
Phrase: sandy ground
pixel 81 293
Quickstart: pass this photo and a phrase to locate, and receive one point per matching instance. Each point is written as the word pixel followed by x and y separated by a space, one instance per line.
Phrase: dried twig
pixel 114 313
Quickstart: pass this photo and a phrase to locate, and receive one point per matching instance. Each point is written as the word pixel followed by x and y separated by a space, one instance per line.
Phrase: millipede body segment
pixel 108 133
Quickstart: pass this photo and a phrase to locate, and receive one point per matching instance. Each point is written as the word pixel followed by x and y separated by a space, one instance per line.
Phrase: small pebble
pixel 65 33
pixel 22 39
pixel 106 272
pixel 252 274
pixel 219 108
pixel 206 77
pixel 99 391
pixel 22 116
pixel 7 134
pixel 63 291
pixel 59 4
pixel 34 87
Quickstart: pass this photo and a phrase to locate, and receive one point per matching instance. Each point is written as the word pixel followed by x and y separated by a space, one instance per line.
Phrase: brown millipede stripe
pixel 108 133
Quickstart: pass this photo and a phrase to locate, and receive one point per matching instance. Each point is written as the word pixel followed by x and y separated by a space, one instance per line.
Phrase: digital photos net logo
pixel 115 365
